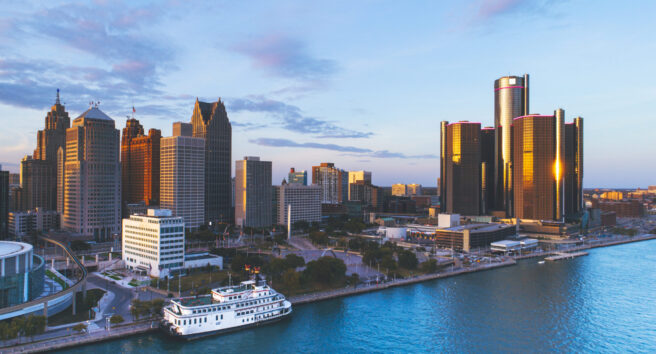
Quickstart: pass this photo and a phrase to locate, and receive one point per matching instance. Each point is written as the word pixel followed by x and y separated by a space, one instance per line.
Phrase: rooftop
pixel 8 248
pixel 94 113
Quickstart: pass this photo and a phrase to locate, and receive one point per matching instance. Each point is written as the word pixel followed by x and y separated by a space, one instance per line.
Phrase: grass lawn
pixel 133 282
pixel 93 295
pixel 59 280
pixel 200 281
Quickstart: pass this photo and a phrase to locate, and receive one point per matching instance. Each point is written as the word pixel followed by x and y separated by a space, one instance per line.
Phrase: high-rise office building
pixel 333 182
pixel 487 169
pixel 297 177
pixel 305 202
pixel 574 168
pixel 370 196
pixel 182 175
pixel 39 171
pixel 460 175
pixel 511 100
pixel 399 190
pixel 355 176
pixel 140 164
pixel 4 204
pixel 210 122
pixel 539 165
pixel 92 176
pixel 414 189
pixel 253 188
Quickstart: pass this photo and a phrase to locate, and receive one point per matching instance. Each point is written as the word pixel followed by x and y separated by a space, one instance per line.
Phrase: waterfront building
pixel 253 188
pixel 25 223
pixel 538 166
pixel 461 168
pixel 304 200
pixel 487 170
pixel 21 273
pixel 511 100
pixel 92 176
pixel 461 237
pixel 297 177
pixel 182 175
pixel 140 164
pixel 333 182
pixel 574 168
pixel 622 209
pixel 4 204
pixel 210 122
pixel 154 243
pixel 39 171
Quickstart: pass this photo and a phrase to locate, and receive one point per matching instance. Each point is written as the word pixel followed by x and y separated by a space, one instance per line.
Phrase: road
pixel 122 296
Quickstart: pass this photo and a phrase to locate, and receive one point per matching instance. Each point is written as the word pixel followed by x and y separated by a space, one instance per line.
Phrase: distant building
pixel 355 176
pixel 297 177
pixel 4 204
pixel 39 171
pixel 460 170
pixel 182 176
pixel 414 189
pixel 210 122
pixel 24 223
pixel 164 250
pixel 399 190
pixel 370 196
pixel 573 174
pixel 304 200
pixel 140 164
pixel 333 183
pixel 92 176
pixel 253 192
pixel 462 237
pixel 623 209
pixel 612 195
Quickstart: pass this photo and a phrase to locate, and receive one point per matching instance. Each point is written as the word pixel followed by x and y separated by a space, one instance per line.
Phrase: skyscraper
pixel 297 177
pixel 140 164
pixel 574 167
pixel 538 160
pixel 510 101
pixel 92 176
pixel 461 173
pixel 210 122
pixel 182 175
pixel 4 204
pixel 39 171
pixel 355 176
pixel 487 169
pixel 333 182
pixel 305 202
pixel 253 189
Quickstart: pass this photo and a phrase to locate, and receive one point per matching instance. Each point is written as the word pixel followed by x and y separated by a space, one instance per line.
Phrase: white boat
pixel 541 262
pixel 251 303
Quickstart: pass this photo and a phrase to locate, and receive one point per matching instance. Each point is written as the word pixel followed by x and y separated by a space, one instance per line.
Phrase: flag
pixel 133 110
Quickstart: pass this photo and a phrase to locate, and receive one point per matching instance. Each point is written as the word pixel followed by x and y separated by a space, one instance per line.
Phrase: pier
pixel 564 255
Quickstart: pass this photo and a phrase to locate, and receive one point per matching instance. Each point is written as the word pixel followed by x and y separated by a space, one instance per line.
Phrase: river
pixel 604 302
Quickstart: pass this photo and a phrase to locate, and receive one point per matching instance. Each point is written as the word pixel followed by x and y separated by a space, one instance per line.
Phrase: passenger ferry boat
pixel 251 303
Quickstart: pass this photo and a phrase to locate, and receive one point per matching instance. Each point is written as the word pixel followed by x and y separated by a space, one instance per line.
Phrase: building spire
pixel 57 101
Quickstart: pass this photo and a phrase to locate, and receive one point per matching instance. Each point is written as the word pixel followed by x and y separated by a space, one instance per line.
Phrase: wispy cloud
pixel 287 57
pixel 383 154
pixel 490 9
pixel 292 118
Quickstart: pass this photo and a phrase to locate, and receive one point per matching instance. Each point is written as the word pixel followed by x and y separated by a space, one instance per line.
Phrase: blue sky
pixel 363 84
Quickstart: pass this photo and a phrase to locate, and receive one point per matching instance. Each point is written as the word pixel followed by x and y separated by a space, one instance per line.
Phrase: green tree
pixel 354 226
pixel 156 306
pixel 407 260
pixel 116 319
pixel 388 262
pixel 325 270
pixel 319 238
pixel 429 266
pixel 291 280
pixel 79 245
pixel 294 261
pixel 354 279
pixel 80 327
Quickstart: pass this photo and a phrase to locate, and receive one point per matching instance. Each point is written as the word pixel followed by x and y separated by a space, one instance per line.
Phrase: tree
pixel 407 260
pixel 80 327
pixel 325 270
pixel 388 262
pixel 79 245
pixel 34 325
pixel 294 261
pixel 319 238
pixel 116 319
pixel 156 306
pixel 354 226
pixel 291 280
pixel 355 279
pixel 300 225
pixel 429 266
pixel 280 238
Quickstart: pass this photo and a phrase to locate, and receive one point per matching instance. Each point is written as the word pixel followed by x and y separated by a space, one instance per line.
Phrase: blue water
pixel 604 302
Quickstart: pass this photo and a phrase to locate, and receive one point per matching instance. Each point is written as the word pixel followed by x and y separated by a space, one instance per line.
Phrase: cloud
pixel 126 63
pixel 274 142
pixel 490 9
pixel 287 57
pixel 292 118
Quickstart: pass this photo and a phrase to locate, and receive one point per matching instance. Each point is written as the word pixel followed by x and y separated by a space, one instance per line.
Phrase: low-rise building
pixel 24 223
pixel 154 243
pixel 462 237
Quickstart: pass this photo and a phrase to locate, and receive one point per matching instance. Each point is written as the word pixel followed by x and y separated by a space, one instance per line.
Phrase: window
pixel 221 316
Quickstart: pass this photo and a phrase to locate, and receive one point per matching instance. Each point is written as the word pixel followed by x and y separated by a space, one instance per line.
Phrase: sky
pixel 362 84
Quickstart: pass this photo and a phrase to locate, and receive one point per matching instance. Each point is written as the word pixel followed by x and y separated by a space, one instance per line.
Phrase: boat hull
pixel 196 336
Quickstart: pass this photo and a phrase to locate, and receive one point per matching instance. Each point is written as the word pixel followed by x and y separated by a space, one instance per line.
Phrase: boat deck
pixel 194 301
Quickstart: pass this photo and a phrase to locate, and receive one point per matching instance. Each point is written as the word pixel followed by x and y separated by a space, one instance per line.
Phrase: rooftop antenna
pixel 57 101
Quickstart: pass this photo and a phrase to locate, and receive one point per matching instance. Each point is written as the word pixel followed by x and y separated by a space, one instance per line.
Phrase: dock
pixel 564 255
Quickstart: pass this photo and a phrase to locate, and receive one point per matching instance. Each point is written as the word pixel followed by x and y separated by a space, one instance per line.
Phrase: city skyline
pixel 356 95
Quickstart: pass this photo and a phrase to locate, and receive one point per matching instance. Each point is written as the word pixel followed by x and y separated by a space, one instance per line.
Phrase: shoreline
pixel 143 327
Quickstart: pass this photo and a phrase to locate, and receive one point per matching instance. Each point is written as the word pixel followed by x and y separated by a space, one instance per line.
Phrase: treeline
pixel 145 309
pixel 22 326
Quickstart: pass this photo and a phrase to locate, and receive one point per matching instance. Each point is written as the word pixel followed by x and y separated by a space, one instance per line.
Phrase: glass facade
pixel 461 175
pixel 21 287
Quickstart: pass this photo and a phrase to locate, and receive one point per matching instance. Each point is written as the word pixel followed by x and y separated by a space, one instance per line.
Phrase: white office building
pixel 305 202
pixel 154 243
